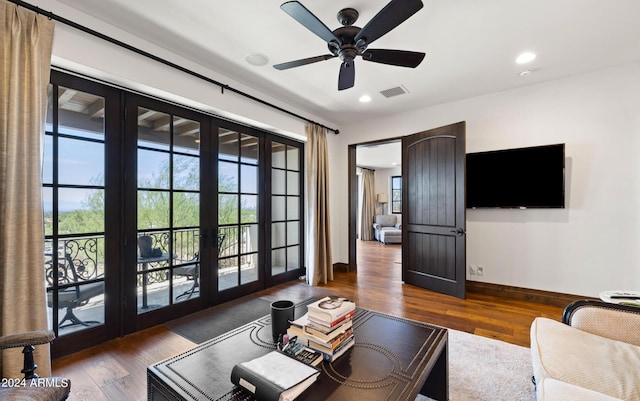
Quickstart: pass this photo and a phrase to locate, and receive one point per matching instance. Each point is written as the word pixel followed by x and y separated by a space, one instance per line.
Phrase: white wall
pixel 591 245
pixel 383 184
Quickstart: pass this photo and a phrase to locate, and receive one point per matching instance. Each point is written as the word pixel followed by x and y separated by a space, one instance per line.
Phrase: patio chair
pixel 32 387
pixel 74 296
pixel 192 271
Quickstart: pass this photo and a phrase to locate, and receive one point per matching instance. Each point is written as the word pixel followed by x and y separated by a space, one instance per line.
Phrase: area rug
pixel 480 368
pixel 212 322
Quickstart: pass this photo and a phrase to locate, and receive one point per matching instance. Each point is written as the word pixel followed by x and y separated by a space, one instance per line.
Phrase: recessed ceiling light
pixel 525 58
pixel 365 99
pixel 257 59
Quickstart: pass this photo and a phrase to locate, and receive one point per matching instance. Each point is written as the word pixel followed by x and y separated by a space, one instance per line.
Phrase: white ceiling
pixel 471 46
pixel 379 155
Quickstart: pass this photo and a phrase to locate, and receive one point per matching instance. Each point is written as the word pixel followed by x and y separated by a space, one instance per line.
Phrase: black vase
pixel 282 312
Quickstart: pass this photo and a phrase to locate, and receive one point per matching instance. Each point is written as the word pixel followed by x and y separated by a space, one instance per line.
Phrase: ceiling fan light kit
pixel 349 42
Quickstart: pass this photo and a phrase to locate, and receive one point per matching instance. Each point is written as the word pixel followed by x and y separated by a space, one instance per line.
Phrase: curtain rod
pixel 109 39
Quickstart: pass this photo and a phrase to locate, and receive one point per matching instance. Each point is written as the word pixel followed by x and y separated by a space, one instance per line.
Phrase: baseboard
pixel 341 267
pixel 523 294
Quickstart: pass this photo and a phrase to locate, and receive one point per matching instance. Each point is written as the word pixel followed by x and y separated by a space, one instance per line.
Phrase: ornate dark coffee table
pixel 393 359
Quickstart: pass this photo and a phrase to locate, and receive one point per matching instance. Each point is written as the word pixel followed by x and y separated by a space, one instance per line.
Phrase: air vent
pixel 398 90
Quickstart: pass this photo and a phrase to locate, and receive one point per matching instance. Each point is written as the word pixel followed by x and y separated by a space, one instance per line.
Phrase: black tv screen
pixel 530 177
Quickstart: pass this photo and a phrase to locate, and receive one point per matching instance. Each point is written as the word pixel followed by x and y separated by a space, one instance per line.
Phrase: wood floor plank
pixel 83 389
pixel 116 370
pixel 126 388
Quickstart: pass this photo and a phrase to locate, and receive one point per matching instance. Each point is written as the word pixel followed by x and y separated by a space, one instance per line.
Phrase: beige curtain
pixel 319 263
pixel 24 74
pixel 368 210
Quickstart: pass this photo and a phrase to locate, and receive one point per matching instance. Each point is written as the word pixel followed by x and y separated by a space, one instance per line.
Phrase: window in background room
pixel 396 194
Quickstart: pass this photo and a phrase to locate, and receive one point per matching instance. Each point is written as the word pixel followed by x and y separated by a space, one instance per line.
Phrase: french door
pixel 198 191
pixel 169 229
pixel 153 211
pixel 80 194
pixel 260 220
pixel 286 238
pixel 240 175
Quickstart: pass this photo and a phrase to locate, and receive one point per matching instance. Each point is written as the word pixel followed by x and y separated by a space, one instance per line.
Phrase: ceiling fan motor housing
pixel 348 50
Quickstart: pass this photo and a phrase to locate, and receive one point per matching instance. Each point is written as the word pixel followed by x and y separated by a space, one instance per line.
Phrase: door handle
pixel 204 238
pixel 459 232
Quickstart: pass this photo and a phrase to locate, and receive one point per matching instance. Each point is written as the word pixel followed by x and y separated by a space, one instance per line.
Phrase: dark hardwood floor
pixel 116 370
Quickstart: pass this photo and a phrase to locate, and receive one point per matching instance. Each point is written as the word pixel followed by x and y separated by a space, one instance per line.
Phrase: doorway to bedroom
pixel 433 220
pixel 378 228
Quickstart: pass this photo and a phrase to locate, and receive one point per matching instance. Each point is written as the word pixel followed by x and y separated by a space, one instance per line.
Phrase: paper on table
pixel 621 297
pixel 280 369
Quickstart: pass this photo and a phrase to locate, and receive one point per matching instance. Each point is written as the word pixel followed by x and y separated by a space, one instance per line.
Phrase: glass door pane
pixel 286 227
pixel 238 205
pixel 168 209
pixel 74 210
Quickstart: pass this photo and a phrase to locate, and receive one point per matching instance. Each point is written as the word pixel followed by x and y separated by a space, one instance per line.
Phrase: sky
pixel 82 162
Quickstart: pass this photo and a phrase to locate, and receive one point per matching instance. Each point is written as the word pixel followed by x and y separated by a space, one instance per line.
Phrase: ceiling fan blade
pixel 401 58
pixel 347 77
pixel 392 15
pixel 309 21
pixel 304 61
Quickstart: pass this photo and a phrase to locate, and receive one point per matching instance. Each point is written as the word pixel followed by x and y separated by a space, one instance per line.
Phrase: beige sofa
pixel 593 355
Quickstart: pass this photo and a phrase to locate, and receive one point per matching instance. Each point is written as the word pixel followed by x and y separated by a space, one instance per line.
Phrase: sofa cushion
pixel 586 360
pixel 555 390
pixel 386 220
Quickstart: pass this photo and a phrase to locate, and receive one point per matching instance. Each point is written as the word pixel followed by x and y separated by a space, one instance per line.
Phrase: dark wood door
pixel 433 169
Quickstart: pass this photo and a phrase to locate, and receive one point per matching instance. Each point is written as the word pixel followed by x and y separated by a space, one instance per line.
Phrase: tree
pixel 153 203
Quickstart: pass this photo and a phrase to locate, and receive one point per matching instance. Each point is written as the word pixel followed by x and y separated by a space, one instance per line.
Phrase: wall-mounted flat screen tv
pixel 530 177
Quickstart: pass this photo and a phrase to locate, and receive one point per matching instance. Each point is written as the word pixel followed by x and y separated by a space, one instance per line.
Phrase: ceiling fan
pixel 348 41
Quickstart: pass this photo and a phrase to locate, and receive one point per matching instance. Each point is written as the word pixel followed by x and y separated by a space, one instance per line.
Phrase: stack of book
pixel 326 327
